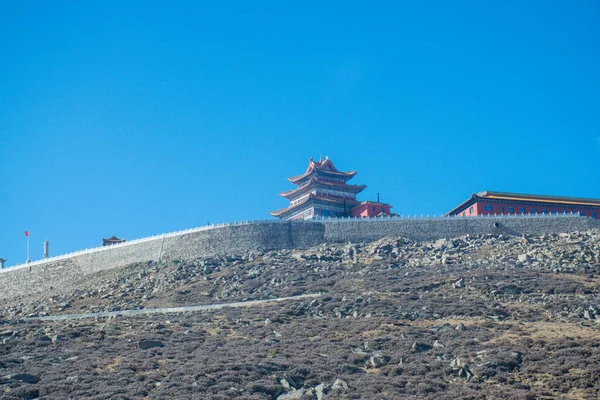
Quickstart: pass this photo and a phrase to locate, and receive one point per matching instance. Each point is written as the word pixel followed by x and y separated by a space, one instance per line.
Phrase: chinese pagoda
pixel 112 240
pixel 323 192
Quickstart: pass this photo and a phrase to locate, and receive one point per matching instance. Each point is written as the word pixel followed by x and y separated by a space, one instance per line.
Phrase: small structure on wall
pixel 323 191
pixel 112 240
pixel 486 203
pixel 371 209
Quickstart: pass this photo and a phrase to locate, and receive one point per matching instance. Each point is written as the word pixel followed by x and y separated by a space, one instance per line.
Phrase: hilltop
pixel 475 316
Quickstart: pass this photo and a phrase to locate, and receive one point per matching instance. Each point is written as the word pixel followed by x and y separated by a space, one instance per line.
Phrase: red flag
pixel 26 233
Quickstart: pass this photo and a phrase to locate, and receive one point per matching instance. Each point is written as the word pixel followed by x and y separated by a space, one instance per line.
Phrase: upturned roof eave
pixel 348 175
pixel 462 205
pixel 316 183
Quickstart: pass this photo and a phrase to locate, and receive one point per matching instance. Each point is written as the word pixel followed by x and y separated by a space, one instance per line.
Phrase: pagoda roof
pixel 113 238
pixel 315 198
pixel 324 166
pixel 537 198
pixel 314 181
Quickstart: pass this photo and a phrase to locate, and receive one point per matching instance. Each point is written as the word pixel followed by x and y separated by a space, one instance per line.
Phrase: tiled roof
pixel 320 182
pixel 113 238
pixel 539 198
pixel 325 166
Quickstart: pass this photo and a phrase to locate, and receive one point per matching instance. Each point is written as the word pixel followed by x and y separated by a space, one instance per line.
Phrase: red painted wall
pixel 369 210
pixel 486 207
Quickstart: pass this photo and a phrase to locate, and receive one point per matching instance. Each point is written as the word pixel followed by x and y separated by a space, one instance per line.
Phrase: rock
pixel 26 378
pixel 321 390
pixel 440 244
pixel 339 385
pixel 378 360
pixel 466 373
pixel 440 328
pixel 304 394
pixel 420 347
pixel 517 355
pixel 28 394
pixel 149 344
pixel 286 384
pixel 456 362
pixel 524 258
pixel 252 284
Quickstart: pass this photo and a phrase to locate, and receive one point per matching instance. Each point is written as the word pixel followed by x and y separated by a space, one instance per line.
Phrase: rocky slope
pixel 471 317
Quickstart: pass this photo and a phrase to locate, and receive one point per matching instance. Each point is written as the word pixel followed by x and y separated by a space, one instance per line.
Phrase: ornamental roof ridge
pixel 325 166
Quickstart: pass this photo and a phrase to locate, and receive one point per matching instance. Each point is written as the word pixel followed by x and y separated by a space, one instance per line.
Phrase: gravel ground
pixel 472 317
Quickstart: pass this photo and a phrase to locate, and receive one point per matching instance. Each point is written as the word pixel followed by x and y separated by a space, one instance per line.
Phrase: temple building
pixel 485 203
pixel 323 191
pixel 112 240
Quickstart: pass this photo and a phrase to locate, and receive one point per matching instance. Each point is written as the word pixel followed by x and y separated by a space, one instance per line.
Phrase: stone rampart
pixel 66 271
pixel 448 227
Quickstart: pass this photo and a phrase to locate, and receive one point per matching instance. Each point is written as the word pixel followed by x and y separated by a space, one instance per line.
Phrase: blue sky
pixel 138 118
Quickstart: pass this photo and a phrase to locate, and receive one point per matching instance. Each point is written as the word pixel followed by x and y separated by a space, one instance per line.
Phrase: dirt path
pixel 169 309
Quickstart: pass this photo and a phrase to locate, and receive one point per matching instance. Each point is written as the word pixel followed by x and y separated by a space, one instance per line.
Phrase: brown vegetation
pixel 474 317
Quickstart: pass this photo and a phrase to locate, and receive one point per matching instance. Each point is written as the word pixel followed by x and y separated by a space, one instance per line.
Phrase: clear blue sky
pixel 138 118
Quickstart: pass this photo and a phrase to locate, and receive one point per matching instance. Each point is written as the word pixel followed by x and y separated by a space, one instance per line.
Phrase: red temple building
pixel 323 191
pixel 370 209
pixel 485 203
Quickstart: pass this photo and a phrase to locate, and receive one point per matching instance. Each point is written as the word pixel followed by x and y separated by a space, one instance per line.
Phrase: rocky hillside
pixel 472 317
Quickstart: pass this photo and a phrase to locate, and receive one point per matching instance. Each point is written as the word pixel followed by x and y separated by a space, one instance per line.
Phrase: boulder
pixel 149 344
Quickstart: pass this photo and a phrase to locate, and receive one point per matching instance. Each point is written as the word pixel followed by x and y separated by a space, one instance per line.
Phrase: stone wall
pixel 449 227
pixel 64 272
pixel 38 277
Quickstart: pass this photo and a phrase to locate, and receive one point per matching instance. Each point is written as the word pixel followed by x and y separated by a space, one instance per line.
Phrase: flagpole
pixel 28 248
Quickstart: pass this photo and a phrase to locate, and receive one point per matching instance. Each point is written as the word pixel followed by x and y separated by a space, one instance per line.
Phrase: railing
pixel 136 241
pixel 277 221
pixel 445 217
